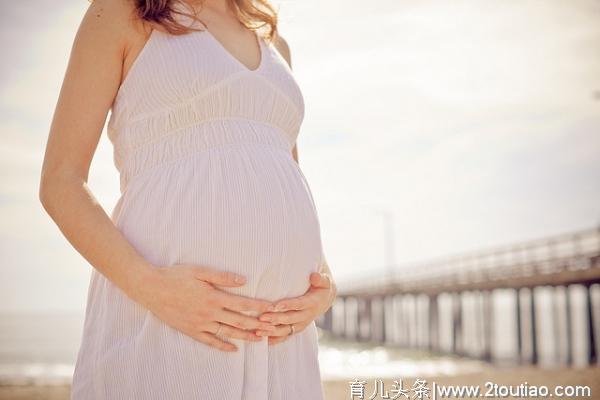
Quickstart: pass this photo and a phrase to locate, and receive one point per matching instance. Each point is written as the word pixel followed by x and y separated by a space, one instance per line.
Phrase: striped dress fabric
pixel 203 147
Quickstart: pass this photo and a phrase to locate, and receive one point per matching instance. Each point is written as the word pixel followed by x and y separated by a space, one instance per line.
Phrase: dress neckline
pixel 227 53
pixel 218 44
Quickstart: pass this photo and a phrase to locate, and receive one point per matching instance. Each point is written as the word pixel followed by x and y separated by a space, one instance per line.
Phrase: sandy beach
pixel 337 390
pixel 340 389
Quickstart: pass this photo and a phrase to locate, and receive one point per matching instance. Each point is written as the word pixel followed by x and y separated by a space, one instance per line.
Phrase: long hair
pixel 254 14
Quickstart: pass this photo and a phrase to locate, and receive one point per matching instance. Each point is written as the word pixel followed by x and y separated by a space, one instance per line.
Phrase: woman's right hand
pixel 185 297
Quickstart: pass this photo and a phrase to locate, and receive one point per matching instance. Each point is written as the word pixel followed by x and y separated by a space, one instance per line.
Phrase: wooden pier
pixel 408 306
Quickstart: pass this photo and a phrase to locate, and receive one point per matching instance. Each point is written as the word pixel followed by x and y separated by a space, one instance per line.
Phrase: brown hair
pixel 254 14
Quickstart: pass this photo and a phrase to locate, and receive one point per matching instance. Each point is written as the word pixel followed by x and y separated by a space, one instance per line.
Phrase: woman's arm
pixel 182 297
pixel 89 87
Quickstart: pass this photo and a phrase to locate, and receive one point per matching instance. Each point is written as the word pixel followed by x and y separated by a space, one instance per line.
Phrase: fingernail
pixel 239 279
pixel 267 318
pixel 280 307
pixel 272 308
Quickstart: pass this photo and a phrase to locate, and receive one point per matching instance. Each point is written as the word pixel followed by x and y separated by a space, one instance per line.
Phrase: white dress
pixel 203 147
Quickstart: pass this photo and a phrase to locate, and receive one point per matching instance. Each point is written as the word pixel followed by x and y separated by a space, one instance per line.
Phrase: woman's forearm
pixel 85 224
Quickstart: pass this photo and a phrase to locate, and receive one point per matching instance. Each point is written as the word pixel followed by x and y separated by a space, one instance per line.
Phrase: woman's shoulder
pixel 112 16
pixel 118 21
pixel 282 47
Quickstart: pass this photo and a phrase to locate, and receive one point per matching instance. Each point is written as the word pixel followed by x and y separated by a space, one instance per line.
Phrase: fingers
pixel 235 333
pixel 218 277
pixel 288 317
pixel 211 340
pixel 209 337
pixel 282 332
pixel 241 321
pixel 284 329
pixel 277 339
pixel 320 280
pixel 242 303
pixel 298 303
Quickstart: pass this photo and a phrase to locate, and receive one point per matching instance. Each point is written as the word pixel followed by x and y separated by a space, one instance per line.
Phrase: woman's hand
pixel 300 311
pixel 185 298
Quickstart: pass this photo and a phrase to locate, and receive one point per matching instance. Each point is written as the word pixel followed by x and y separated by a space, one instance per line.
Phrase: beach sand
pixel 514 376
pixel 339 390
pixel 34 392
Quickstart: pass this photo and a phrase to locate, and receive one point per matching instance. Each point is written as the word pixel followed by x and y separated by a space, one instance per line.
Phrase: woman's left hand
pixel 300 311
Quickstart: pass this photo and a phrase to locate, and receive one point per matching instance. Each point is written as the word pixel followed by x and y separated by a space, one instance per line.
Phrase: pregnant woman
pixel 209 273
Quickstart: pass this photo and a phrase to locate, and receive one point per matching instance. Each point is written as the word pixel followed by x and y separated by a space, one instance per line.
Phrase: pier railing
pixel 378 306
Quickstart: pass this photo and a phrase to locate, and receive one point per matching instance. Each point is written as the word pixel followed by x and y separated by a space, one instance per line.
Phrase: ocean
pixel 41 348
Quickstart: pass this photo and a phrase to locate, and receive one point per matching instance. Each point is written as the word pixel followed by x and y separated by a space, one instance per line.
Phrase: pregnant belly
pixel 245 209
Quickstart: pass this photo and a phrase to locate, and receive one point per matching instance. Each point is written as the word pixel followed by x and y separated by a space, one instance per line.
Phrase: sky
pixel 431 128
